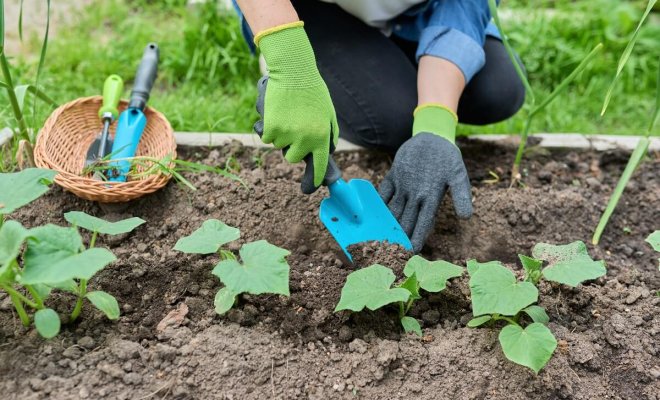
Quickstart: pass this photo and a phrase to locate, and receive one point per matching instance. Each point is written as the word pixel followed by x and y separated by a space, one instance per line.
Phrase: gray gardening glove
pixel 423 168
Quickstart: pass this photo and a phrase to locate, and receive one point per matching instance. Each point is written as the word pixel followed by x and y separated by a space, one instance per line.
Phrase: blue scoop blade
pixel 355 213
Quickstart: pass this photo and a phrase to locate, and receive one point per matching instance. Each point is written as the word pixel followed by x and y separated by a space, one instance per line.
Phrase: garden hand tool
pixel 112 89
pixel 424 167
pixel 354 212
pixel 132 121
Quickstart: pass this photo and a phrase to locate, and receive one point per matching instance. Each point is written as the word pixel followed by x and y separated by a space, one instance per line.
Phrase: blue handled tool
pixel 132 121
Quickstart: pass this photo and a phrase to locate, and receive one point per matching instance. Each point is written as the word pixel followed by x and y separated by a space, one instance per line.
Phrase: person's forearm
pixel 265 14
pixel 439 81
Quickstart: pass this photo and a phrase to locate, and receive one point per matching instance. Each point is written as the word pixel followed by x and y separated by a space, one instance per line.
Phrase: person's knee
pixel 509 101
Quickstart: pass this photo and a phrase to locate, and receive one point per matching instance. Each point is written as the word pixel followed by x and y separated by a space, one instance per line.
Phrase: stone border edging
pixel 550 140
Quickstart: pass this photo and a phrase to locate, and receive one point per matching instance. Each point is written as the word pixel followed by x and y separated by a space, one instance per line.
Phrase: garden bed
pixel 271 346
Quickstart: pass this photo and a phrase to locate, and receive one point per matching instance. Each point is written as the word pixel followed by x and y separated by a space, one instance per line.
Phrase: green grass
pixel 207 76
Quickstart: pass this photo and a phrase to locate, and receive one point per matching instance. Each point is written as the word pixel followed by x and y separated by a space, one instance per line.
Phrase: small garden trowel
pixel 112 89
pixel 355 213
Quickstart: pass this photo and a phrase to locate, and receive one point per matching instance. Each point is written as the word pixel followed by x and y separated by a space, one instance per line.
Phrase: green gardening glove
pixel 298 113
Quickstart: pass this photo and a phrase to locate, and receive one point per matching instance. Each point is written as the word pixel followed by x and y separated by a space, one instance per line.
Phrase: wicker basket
pixel 66 136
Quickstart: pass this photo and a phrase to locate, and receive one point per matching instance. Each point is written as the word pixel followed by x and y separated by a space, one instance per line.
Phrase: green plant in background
pixel 535 109
pixel 262 267
pixel 642 145
pixel 371 287
pixel 17 93
pixel 498 296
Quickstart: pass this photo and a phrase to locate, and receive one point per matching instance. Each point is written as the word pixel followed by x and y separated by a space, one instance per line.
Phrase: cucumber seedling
pixel 262 267
pixel 54 257
pixel 498 296
pixel 100 299
pixel 371 287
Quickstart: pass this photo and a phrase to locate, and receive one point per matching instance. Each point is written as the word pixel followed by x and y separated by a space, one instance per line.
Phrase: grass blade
pixel 635 158
pixel 493 11
pixel 583 64
pixel 42 59
pixel 625 55
pixel 656 110
pixel 20 21
pixel 2 26
pixel 22 90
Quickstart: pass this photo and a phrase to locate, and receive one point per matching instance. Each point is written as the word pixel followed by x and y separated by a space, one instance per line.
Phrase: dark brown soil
pixel 277 347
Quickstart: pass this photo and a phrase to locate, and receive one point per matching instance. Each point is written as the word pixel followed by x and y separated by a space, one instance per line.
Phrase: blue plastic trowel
pixel 355 213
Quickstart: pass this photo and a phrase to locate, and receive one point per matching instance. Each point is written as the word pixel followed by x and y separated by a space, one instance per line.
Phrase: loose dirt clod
pixel 390 255
pixel 297 347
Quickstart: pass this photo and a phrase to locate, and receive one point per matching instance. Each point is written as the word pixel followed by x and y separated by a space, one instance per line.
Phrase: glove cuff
pixel 289 56
pixel 436 119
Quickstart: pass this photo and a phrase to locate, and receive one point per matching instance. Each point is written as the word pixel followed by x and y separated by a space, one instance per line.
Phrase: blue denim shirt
pixel 454 30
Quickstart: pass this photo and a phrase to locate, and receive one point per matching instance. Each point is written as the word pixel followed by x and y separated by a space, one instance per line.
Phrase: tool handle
pixel 145 77
pixel 112 90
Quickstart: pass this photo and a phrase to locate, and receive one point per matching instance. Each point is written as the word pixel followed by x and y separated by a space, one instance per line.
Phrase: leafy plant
pixel 535 108
pixel 262 267
pixel 498 296
pixel 34 262
pixel 371 287
pixel 54 258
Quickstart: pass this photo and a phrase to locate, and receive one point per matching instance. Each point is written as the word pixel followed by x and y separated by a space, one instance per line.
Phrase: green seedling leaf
pixel 21 188
pixel 654 240
pixel 531 347
pixel 475 322
pixel 370 287
pixel 412 285
pixel 208 239
pixel 495 290
pixel 47 323
pixel 263 270
pixel 411 325
pixel 49 244
pixel 537 314
pixel 532 267
pixel 43 291
pixel 78 266
pixel 224 300
pixel 473 265
pixel 105 303
pixel 94 224
pixel 12 236
pixel 569 264
pixel 68 286
pixel 432 275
